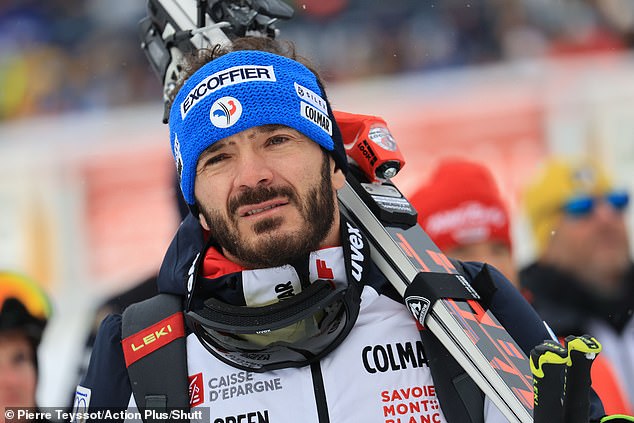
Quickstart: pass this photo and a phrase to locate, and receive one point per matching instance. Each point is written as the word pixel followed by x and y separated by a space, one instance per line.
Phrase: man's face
pixel 268 196
pixel 18 379
pixel 594 247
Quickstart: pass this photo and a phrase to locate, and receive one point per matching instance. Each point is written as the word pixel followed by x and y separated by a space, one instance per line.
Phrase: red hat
pixel 461 204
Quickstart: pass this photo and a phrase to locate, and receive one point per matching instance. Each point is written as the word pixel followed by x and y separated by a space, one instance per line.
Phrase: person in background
pixel 461 209
pixel 583 278
pixel 24 312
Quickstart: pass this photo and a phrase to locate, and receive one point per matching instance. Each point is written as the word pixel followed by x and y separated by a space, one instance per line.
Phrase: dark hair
pixel 15 318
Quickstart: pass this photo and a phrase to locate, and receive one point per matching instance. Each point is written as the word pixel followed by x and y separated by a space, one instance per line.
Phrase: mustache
pixel 258 195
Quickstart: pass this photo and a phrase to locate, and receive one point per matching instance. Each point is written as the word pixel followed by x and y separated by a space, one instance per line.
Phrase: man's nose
pixel 9 376
pixel 604 211
pixel 253 169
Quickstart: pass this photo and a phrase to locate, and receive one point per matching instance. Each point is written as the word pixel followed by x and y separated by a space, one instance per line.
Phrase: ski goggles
pixel 583 205
pixel 290 333
pixel 27 292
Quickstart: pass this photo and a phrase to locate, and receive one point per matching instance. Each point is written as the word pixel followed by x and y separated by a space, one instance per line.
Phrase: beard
pixel 269 249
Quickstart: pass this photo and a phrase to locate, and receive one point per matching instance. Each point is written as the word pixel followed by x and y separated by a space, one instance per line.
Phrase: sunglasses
pixel 585 204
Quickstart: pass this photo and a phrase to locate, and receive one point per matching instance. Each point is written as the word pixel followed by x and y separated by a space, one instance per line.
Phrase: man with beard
pixel 583 278
pixel 287 318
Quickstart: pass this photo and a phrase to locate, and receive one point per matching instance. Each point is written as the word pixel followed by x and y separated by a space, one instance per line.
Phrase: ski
pixel 474 337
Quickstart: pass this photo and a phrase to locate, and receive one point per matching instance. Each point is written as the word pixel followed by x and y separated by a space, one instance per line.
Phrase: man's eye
pixel 215 159
pixel 278 139
pixel 20 358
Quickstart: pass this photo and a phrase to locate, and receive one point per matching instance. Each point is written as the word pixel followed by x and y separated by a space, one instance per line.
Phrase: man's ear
pixel 203 222
pixel 338 177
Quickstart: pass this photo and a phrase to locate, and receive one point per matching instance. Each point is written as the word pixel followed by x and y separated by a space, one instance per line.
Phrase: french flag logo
pixel 225 112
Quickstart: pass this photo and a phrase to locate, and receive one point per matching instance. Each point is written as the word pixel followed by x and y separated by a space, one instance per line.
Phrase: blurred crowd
pixel 63 55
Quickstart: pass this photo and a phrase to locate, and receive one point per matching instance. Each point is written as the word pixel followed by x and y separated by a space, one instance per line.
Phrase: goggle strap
pixel 221 316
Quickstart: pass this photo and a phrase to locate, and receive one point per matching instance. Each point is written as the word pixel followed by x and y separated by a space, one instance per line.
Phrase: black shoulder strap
pixel 460 398
pixel 156 356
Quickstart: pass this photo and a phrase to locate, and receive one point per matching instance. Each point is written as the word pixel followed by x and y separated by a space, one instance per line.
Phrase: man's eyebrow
pixel 272 127
pixel 215 147
pixel 266 129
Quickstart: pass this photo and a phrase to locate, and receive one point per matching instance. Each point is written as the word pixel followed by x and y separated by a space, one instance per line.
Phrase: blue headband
pixel 241 90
